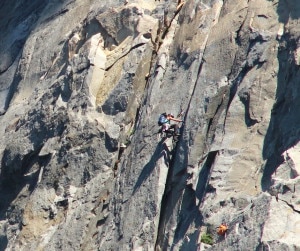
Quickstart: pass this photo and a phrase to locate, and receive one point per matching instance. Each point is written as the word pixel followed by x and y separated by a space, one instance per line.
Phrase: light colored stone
pixel 81 79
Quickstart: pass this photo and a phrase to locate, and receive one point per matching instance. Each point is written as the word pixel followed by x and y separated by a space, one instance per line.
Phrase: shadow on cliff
pixel 287 9
pixel 22 20
pixel 16 174
pixel 19 20
pixel 181 197
pixel 161 150
pixel 190 213
pixel 283 131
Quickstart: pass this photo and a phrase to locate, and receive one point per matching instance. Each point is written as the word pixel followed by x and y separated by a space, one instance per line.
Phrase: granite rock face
pixel 82 84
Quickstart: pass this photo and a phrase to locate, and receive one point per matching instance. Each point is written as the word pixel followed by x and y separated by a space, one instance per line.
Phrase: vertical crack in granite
pixel 204 176
pixel 182 194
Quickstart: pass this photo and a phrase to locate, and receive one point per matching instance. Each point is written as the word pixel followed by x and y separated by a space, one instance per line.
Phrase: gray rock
pixel 83 166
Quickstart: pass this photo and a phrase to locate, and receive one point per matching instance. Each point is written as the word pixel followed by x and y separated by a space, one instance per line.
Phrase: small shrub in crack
pixel 207 239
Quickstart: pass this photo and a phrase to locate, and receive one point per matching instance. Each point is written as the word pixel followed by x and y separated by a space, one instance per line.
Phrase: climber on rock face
pixel 165 122
pixel 222 229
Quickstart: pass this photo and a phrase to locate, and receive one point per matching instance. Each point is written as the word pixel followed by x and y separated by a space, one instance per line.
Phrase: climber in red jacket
pixel 222 229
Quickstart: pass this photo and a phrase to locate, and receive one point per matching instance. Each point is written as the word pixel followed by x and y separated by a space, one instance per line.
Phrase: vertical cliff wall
pixel 83 166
